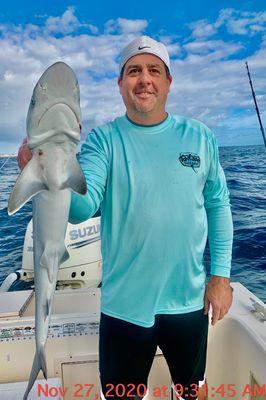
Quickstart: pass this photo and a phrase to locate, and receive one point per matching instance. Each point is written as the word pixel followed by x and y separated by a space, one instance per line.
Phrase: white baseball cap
pixel 144 44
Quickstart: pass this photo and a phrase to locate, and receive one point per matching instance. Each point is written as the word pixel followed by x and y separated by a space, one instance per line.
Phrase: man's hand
pixel 24 154
pixel 219 294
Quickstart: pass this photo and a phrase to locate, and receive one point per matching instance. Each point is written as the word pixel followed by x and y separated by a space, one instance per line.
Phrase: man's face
pixel 144 85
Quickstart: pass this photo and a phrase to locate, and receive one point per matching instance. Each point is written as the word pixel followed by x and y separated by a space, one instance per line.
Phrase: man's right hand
pixel 24 154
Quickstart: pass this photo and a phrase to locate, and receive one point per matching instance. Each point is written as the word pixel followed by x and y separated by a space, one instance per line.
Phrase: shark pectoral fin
pixel 39 363
pixel 76 180
pixel 28 184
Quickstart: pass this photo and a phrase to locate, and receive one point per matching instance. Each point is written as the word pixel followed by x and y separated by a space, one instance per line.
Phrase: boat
pixel 82 269
pixel 236 358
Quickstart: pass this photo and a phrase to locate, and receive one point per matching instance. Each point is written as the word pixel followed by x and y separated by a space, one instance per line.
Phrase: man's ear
pixel 119 82
pixel 170 78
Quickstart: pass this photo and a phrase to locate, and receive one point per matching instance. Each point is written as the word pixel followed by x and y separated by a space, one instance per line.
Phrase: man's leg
pixel 183 341
pixel 126 352
pixel 203 391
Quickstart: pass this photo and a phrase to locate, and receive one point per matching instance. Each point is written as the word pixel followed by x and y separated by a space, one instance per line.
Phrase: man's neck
pixel 147 119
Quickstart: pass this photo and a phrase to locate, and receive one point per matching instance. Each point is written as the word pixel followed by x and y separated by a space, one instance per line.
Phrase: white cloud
pixel 239 27
pixel 173 49
pixel 202 29
pixel 236 22
pixel 213 49
pixel 94 59
pixel 172 44
pixel 94 30
pixel 224 15
pixel 132 26
pixel 65 24
pixel 218 93
pixel 209 81
pixel 242 22
pixel 123 25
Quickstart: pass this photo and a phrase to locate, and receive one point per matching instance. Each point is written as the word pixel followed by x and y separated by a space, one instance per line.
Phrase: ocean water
pixel 245 170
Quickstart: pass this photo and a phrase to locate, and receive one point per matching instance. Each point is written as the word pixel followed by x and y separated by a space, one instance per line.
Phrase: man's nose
pixel 144 76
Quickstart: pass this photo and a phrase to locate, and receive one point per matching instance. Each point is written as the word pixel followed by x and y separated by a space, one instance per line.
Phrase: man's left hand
pixel 219 294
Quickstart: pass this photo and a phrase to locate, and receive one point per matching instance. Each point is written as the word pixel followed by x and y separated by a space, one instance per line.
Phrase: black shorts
pixel 127 351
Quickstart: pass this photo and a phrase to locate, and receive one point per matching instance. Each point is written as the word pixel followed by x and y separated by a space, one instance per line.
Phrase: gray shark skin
pixel 53 130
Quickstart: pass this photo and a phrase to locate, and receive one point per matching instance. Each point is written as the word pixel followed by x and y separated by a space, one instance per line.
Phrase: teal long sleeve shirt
pixel 161 191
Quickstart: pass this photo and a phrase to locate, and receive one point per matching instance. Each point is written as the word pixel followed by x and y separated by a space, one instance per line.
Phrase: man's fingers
pixel 215 314
pixel 218 313
pixel 206 305
pixel 223 312
pixel 24 154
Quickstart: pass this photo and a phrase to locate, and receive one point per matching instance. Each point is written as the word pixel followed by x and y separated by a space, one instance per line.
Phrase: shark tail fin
pixel 28 184
pixel 39 363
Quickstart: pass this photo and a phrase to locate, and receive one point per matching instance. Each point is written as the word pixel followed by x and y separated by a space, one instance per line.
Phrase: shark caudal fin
pixel 28 184
pixel 39 363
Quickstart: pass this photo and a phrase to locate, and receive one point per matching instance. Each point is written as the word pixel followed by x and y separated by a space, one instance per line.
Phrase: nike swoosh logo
pixel 145 47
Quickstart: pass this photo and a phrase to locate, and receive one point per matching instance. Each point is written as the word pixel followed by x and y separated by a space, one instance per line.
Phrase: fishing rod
pixel 2 166
pixel 256 105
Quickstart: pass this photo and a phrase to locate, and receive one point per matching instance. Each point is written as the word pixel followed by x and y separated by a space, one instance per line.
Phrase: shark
pixel 53 131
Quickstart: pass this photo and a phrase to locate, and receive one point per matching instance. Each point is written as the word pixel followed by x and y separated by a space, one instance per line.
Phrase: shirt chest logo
pixel 190 160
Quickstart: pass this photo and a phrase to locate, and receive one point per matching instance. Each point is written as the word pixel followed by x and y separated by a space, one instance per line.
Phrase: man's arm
pixel 218 291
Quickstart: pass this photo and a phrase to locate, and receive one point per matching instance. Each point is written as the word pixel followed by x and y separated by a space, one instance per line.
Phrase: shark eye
pixel 43 87
pixel 32 102
pixel 40 153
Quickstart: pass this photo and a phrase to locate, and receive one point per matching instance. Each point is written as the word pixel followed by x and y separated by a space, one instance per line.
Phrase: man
pixel 160 187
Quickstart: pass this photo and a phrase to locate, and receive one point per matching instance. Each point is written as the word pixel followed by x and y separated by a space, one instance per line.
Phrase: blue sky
pixel 208 42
